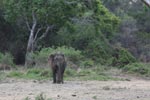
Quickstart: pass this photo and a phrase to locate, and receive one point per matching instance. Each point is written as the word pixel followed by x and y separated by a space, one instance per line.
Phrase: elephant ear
pixel 51 57
pixel 64 57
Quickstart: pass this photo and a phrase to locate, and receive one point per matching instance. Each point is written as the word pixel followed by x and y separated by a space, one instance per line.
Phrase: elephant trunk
pixel 59 77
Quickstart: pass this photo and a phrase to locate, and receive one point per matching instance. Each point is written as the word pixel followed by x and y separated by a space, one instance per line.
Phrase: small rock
pixel 74 95
pixel 30 93
pixel 138 97
pixel 127 79
pixel 106 88
pixel 34 81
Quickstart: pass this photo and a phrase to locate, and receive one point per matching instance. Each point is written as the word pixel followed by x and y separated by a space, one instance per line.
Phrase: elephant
pixel 58 64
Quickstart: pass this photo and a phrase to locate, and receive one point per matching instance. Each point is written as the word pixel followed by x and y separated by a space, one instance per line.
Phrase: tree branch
pixel 27 23
pixel 33 17
pixel 147 2
pixel 37 33
pixel 46 32
pixel 31 37
pixel 34 24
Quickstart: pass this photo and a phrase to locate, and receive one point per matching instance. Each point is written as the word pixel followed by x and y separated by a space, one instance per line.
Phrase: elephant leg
pixel 62 77
pixel 59 76
pixel 62 81
pixel 59 79
pixel 62 73
pixel 54 76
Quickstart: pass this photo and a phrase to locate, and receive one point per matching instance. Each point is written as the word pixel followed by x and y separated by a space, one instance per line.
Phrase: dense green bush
pixel 71 54
pixel 122 57
pixel 7 59
pixel 139 68
pixel 87 63
pixel 99 51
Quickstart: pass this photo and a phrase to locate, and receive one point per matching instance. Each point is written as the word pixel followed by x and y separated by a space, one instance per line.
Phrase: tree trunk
pixel 30 48
pixel 30 45
pixel 33 39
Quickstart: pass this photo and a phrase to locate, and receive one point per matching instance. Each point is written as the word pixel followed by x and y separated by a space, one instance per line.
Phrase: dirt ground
pixel 136 89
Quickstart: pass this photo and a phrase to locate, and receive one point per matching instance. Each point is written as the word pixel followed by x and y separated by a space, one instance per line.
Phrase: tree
pixel 134 27
pixel 91 31
pixel 40 16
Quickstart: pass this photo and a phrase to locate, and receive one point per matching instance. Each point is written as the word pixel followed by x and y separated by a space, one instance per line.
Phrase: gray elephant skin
pixel 58 64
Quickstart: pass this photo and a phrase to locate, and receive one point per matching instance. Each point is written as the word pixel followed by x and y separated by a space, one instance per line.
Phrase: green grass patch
pixel 33 73
pixel 38 74
pixel 15 74
pixel 95 73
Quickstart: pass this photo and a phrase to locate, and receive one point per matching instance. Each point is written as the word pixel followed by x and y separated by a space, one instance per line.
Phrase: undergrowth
pixel 32 73
pixel 98 72
pixel 95 73
pixel 138 68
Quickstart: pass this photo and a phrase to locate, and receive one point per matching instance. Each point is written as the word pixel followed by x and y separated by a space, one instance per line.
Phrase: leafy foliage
pixel 134 21
pixel 91 34
pixel 78 23
pixel 86 27
pixel 71 54
pixel 122 57
pixel 138 68
pixel 99 51
pixel 6 58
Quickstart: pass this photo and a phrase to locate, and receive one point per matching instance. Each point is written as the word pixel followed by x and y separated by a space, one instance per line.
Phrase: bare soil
pixel 135 89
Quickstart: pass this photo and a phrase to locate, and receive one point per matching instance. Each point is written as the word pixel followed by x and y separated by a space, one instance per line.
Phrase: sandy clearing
pixel 76 90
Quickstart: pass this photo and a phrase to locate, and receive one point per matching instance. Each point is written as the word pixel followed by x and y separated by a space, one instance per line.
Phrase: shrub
pixel 41 57
pixel 122 57
pixel 99 51
pixel 70 72
pixel 31 73
pixel 139 68
pixel 87 63
pixel 38 73
pixel 15 74
pixel 7 59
